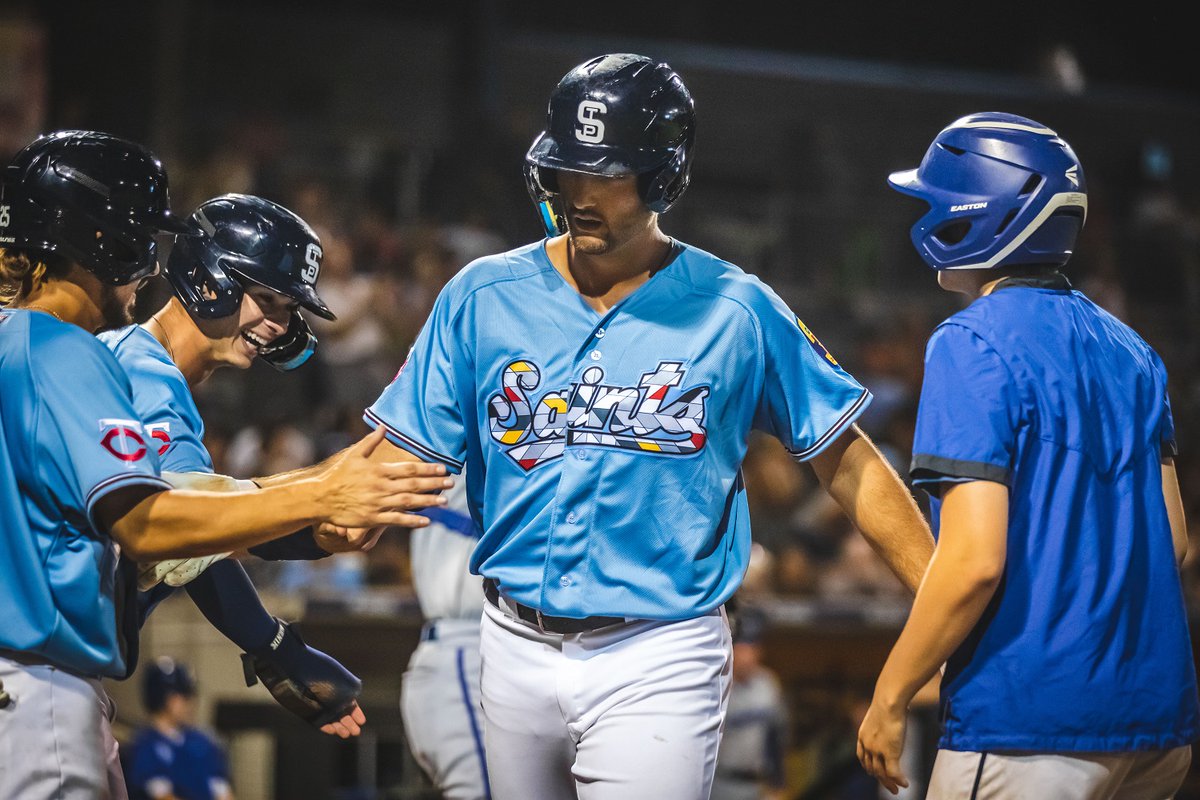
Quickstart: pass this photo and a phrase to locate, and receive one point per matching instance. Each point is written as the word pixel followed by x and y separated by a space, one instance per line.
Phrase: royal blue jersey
pixel 603 451
pixel 1085 646
pixel 162 398
pixel 187 766
pixel 69 435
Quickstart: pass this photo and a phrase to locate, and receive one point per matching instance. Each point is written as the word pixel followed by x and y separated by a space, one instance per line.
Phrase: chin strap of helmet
pixel 293 348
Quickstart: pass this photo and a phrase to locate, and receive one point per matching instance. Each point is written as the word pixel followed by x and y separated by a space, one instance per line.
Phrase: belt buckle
pixel 540 621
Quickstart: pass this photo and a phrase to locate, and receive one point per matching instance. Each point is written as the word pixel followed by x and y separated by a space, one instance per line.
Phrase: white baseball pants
pixel 629 712
pixel 56 740
pixel 1143 775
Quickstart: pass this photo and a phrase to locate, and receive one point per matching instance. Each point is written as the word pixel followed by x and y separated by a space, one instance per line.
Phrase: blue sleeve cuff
pixel 421 451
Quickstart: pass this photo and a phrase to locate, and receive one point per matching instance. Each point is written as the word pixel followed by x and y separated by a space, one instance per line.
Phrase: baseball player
pixel 239 275
pixel 598 387
pixel 79 480
pixel 439 698
pixel 1045 440
pixel 170 759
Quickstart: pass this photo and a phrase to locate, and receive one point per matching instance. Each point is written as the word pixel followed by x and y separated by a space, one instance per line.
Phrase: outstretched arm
pixel 227 598
pixel 864 484
pixel 152 524
pixel 963 576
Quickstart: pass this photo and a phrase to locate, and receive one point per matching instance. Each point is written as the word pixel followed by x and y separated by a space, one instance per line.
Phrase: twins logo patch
pixel 162 432
pixel 123 438
pixel 816 343
pixel 641 418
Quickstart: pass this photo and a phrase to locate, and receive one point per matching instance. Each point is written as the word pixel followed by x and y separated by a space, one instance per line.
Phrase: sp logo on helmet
pixel 592 130
pixel 312 263
pixel 123 438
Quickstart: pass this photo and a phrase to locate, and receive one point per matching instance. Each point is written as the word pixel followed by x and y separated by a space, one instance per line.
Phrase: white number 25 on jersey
pixel 592 129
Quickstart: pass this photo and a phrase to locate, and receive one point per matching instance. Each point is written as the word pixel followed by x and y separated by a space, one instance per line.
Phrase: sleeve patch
pixel 123 439
pixel 816 343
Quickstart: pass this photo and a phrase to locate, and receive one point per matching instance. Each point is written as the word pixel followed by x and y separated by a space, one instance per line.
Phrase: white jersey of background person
pixel 439 699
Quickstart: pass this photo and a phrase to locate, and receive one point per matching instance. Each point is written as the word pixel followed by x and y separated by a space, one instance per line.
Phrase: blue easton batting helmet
pixel 1002 190
pixel 97 199
pixel 238 239
pixel 618 114
pixel 164 677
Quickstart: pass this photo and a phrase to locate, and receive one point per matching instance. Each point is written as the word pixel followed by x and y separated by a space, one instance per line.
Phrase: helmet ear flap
pixel 662 187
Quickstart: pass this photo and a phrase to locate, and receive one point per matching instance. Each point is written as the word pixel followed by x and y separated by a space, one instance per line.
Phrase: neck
pixel 605 279
pixel 164 724
pixel 974 283
pixel 188 347
pixel 73 300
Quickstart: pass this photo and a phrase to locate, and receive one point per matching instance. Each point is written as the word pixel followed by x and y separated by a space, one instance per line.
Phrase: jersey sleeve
pixel 178 434
pixel 1166 427
pixel 420 409
pixel 807 399
pixel 90 438
pixel 968 413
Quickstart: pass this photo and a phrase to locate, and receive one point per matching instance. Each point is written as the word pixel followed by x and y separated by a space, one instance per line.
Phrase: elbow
pixel 983 575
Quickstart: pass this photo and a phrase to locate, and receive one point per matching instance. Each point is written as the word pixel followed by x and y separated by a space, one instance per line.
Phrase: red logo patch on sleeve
pixel 162 432
pixel 123 438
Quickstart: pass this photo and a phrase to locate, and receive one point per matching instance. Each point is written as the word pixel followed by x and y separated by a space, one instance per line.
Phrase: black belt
pixel 544 623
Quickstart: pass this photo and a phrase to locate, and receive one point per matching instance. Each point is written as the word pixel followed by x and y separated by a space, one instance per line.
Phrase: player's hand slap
pixel 880 743
pixel 347 726
pixel 359 493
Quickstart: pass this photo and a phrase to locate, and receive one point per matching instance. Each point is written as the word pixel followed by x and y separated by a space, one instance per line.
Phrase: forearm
pixel 291 476
pixel 1175 514
pixel 298 546
pixel 228 599
pixel 947 608
pixel 185 523
pixel 961 580
pixel 879 504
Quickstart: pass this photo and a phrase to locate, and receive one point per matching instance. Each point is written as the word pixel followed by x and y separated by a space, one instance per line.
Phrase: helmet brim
pixel 549 152
pixel 906 181
pixel 307 296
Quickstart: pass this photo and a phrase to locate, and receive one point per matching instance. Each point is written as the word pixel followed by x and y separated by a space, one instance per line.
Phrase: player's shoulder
pixel 139 353
pixel 64 346
pixel 711 274
pixel 511 265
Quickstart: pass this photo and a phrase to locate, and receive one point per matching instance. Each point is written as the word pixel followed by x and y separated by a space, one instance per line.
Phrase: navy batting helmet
pixel 163 678
pixel 1002 190
pixel 237 239
pixel 618 114
pixel 93 197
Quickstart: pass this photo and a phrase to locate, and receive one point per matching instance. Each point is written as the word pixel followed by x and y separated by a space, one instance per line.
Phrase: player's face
pixel 262 318
pixel 603 213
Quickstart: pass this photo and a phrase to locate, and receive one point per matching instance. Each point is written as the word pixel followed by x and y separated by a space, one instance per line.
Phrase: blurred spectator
pixel 352 349
pixel 170 759
pixel 750 760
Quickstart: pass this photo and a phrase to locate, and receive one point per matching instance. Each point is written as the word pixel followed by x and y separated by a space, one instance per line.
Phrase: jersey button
pixel 565 580
pixel 599 333
pixel 571 518
pixel 596 355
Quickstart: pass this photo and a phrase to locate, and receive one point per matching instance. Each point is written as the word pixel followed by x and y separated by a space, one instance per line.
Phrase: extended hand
pixel 356 492
pixel 347 726
pixel 339 539
pixel 880 743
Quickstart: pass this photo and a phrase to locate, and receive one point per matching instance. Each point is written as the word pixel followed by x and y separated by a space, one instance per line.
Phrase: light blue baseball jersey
pixel 68 436
pixel 1085 645
pixel 603 451
pixel 162 398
